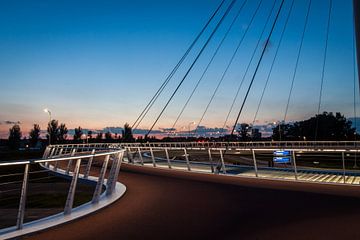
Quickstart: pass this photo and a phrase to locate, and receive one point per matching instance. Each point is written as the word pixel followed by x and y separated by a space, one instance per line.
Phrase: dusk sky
pixel 96 64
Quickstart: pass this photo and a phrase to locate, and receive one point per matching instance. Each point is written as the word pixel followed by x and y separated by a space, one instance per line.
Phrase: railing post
pixel 187 159
pixel 70 161
pixel 70 197
pixel 343 164
pixel 295 167
pixel 112 173
pixel 89 163
pixel 211 160
pixel 140 156
pixel 56 162
pixel 167 157
pixel 152 157
pixel 100 181
pixel 255 164
pixel 21 211
pixel 222 161
pixel 128 154
pixel 46 152
pixel 113 176
pixel 52 152
pixel 120 159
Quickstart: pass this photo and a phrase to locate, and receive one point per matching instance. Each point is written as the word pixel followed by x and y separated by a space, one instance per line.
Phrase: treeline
pixel 322 127
pixel 58 134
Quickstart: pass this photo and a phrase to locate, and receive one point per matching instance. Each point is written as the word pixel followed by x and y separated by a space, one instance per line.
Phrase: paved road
pixel 201 206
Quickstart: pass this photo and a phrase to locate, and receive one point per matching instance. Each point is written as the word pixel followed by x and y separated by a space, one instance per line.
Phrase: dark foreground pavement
pixel 190 206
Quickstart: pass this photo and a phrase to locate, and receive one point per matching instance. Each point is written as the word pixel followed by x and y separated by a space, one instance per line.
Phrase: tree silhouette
pixel 243 131
pixel 127 134
pixel 34 135
pixel 62 133
pixel 99 136
pixel 89 135
pixel 108 136
pixel 58 133
pixel 78 134
pixel 14 137
pixel 322 127
pixel 53 129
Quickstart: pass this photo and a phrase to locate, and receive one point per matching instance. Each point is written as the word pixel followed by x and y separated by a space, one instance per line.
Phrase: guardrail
pixel 251 145
pixel 299 145
pixel 70 157
pixel 223 158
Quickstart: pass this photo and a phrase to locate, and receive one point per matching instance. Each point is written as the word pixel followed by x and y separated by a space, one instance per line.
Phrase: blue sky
pixel 97 63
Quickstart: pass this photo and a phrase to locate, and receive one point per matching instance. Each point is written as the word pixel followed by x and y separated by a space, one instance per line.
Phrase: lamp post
pixel 191 123
pixel 49 112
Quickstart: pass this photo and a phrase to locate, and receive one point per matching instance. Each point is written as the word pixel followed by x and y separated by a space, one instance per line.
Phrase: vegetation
pixel 78 134
pixel 14 137
pixel 57 133
pixel 244 131
pixel 34 135
pixel 325 126
pixel 127 135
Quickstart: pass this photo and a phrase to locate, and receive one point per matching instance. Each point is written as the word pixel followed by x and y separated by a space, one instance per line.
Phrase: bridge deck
pixel 160 207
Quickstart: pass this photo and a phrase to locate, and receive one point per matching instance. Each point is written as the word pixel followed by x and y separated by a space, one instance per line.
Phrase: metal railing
pixel 65 160
pixel 181 156
pixel 252 145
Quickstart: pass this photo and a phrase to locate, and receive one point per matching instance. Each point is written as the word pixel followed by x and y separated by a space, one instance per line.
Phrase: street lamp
pixel 49 112
pixel 191 123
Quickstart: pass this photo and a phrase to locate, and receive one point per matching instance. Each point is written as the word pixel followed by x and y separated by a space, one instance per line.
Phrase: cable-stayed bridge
pixel 319 165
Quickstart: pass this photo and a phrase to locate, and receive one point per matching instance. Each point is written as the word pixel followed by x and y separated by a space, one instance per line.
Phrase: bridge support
pixel 356 4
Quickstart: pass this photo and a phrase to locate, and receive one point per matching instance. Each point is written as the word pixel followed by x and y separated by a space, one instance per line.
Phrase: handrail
pixel 58 153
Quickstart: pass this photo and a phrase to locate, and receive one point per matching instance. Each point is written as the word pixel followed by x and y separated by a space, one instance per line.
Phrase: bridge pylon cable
pixel 247 68
pixel 296 63
pixel 354 81
pixel 193 63
pixel 273 62
pixel 231 61
pixel 210 62
pixel 229 64
pixel 174 70
pixel 323 66
pixel 258 65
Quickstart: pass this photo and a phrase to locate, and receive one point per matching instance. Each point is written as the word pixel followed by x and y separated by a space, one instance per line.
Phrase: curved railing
pixel 252 145
pixel 319 162
pixel 65 161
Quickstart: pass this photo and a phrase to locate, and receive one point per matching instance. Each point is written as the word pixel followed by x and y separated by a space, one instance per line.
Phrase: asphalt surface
pixel 160 204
